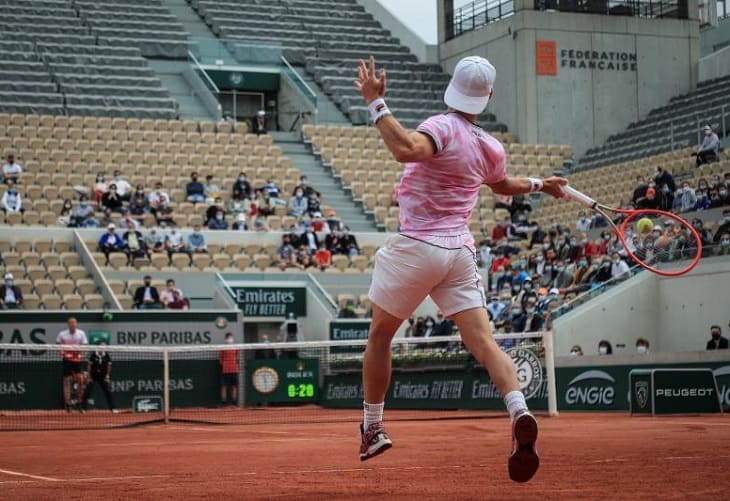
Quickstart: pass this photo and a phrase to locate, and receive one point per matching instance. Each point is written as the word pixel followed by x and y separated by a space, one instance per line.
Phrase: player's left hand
pixel 368 83
pixel 554 186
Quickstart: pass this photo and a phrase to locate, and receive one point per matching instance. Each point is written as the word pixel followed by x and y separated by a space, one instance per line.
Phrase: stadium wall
pixel 715 65
pixel 674 314
pixel 714 39
pixel 650 61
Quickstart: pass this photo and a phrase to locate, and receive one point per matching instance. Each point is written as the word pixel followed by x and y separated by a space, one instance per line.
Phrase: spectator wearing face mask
pixel 429 325
pixel 11 297
pixel 723 228
pixel 639 192
pixel 619 269
pixel 211 190
pixel 576 351
pixel 157 198
pixel 708 151
pixel 123 187
pixel 583 223
pixel 134 245
pixel 585 271
pixel 239 206
pixel 665 198
pixel 172 297
pixel 11 200
pixel 495 307
pixel 604 270
pixel 83 215
pixel 528 319
pixel 99 188
pixel 175 244
pixel 297 206
pixel 685 199
pixel 196 241
pixel 724 247
pixel 272 191
pixel 219 222
pixel 587 249
pixel 111 199
pixel 110 242
pixel 155 241
pixel 537 237
pixel 642 346
pixel 605 348
pixel 194 190
pixel 12 171
pixel 242 186
pixel 717 340
pixel 563 277
pixel 662 176
pixel 348 244
pixel 650 201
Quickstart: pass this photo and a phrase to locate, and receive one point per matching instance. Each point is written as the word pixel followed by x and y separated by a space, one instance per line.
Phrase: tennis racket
pixel 667 239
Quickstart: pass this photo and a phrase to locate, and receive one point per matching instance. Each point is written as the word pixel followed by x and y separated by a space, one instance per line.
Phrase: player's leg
pixel 67 392
pixel 234 394
pixel 87 393
pixel 461 297
pixel 224 392
pixel 80 379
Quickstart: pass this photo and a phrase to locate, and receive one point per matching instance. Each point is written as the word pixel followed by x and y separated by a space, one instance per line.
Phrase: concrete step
pixel 170 74
pixel 327 111
pixel 189 18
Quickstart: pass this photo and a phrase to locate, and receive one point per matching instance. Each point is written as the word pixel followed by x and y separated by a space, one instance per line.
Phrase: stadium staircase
pixel 670 127
pixel 327 37
pixel 332 194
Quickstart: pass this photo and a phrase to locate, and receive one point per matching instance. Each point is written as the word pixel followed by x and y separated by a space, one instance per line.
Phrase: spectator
pixel 122 186
pixel 83 215
pixel 642 346
pixel 322 257
pixel 175 244
pixel 313 204
pixel 127 222
pixel 604 271
pixel 587 249
pixel 605 348
pixel 348 244
pixel 717 340
pixel 334 222
pixel 111 199
pixel 651 201
pixel 99 370
pixel 196 241
pixel 158 198
pixel 134 245
pixel 194 190
pixel 155 241
pixel 639 192
pixel 703 195
pixel 273 192
pixel 576 351
pixel 665 199
pixel 502 201
pixel 685 199
pixel 724 249
pixel 259 123
pixel 495 306
pixel 71 360
pixel 708 151
pixel 138 194
pixel 219 222
pixel 64 218
pixel 583 224
pixel 499 232
pixel 138 211
pixel 238 205
pixel 172 297
pixel 213 209
pixel 100 187
pixel 242 186
pixel 724 227
pixel 12 201
pixel 165 215
pixel 309 237
pixel 12 171
pixel 262 204
pixel 286 254
pixel 212 190
pixel 229 373
pixel 11 297
pixel 240 223
pixel 297 204
pixel 106 218
pixel 445 326
pixel 110 242
pixel 563 277
pixel 619 269
pixel 663 177
pixel 259 223
pixel 347 311
pixel 146 297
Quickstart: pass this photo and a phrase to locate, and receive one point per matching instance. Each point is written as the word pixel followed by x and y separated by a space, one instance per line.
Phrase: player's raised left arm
pixel 518 185
pixel 404 145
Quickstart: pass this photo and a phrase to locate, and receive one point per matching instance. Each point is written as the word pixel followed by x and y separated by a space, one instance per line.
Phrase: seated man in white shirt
pixel 12 170
pixel 619 268
pixel 175 244
pixel 11 201
pixel 123 187
pixel 157 197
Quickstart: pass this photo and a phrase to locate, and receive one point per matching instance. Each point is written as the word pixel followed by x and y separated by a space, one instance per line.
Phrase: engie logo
pixel 722 376
pixel 591 388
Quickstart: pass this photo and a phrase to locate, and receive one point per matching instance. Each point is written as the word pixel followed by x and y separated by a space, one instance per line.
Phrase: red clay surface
pixel 584 456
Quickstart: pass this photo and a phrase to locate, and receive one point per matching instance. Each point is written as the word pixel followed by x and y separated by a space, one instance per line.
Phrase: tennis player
pixel 71 361
pixel 447 159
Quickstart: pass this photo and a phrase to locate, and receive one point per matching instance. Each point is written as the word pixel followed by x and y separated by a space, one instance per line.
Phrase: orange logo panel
pixel 546 57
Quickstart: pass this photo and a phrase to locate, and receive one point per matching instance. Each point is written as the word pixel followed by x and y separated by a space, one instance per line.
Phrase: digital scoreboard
pixel 273 381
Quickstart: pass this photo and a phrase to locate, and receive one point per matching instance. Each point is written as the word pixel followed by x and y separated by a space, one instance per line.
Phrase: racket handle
pixel 579 197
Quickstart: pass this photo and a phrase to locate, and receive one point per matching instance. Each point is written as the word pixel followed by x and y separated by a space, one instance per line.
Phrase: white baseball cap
pixel 471 85
pixel 8 276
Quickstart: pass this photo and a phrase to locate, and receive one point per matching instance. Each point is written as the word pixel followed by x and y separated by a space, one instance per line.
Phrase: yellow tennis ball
pixel 644 225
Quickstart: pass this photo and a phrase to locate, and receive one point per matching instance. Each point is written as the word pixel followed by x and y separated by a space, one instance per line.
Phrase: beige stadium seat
pixel 43 245
pixel 243 261
pixel 181 261
pixel 262 261
pixel 360 263
pixel 73 301
pixel 31 301
pixel 23 246
pixel 25 285
pixel 13 219
pixel 340 262
pixel 126 301
pixel 35 272
pixel 117 260
pixel 343 299
pixel 76 272
pixel 30 258
pixel 43 286
pixel 160 260
pixel 99 258
pixel 391 224
pixel 94 301
pixel 117 286
pixel 65 286
pixel 11 258
pixel 201 261
pixel 85 286
pixel 221 261
pixel 48 218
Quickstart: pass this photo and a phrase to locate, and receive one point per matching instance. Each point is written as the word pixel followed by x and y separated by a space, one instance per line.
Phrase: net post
pixel 547 340
pixel 166 384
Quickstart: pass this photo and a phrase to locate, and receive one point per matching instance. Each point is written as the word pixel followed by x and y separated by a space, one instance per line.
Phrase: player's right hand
pixel 553 185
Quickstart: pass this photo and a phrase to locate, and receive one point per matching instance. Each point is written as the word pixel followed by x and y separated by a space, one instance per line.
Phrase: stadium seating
pixel 328 37
pixel 86 58
pixel 668 127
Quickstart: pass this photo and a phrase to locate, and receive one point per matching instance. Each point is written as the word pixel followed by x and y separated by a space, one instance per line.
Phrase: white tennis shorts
pixel 407 270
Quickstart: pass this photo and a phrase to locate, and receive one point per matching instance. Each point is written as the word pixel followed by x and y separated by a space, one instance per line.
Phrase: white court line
pixel 28 475
pixel 127 477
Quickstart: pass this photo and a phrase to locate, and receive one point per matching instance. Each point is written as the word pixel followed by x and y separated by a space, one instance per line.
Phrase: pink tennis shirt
pixel 437 196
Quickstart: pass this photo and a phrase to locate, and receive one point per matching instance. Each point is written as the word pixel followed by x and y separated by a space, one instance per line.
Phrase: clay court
pixel 584 456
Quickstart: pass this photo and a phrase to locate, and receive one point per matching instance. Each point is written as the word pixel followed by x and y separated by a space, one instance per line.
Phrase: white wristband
pixel 378 109
pixel 536 184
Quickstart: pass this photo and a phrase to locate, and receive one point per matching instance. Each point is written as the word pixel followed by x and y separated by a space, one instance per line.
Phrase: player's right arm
pixel 522 185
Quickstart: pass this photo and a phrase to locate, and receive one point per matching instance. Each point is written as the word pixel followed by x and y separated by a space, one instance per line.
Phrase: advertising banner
pixel 268 301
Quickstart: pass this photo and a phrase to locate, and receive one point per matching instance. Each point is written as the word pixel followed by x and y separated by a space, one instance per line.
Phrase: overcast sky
pixel 419 15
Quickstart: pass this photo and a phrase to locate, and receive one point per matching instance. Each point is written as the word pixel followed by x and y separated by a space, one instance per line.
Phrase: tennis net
pixel 256 383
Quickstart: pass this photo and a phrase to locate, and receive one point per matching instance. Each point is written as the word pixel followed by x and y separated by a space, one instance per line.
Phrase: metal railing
pixel 477 14
pixel 635 8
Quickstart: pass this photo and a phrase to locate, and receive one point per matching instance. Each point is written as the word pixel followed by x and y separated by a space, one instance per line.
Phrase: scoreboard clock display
pixel 272 381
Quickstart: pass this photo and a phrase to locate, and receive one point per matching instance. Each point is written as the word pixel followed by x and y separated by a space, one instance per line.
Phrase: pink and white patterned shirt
pixel 437 196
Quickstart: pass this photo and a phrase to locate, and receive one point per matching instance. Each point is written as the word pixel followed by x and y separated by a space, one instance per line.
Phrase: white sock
pixel 373 413
pixel 515 402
